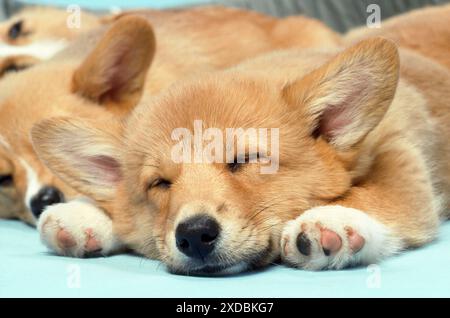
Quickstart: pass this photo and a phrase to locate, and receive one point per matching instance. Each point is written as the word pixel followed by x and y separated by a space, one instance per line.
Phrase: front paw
pixel 334 237
pixel 77 228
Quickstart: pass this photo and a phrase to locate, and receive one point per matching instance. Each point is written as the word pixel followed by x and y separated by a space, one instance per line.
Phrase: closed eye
pixel 239 162
pixel 14 68
pixel 16 30
pixel 234 166
pixel 160 183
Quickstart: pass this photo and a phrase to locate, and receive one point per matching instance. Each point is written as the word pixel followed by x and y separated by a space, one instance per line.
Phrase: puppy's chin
pixel 249 262
pixel 211 270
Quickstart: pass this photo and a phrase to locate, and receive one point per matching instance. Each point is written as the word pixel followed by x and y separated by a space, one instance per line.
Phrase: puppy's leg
pixel 394 209
pixel 78 228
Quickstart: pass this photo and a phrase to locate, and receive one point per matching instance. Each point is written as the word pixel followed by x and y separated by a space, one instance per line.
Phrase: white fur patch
pixel 4 143
pixel 42 50
pixel 76 217
pixel 379 240
pixel 235 269
pixel 33 183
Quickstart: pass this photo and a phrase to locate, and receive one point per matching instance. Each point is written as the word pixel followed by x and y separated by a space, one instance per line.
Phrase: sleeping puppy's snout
pixel 46 196
pixel 196 237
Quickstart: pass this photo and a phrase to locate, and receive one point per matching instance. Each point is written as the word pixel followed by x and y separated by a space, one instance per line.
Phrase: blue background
pixel 105 4
pixel 28 270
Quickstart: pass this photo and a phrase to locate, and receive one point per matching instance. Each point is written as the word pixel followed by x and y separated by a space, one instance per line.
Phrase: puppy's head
pixel 203 216
pixel 38 33
pixel 37 24
pixel 108 81
pixel 10 204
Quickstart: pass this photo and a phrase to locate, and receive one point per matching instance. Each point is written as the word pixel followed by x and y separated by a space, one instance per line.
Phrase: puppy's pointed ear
pixel 345 99
pixel 115 71
pixel 82 155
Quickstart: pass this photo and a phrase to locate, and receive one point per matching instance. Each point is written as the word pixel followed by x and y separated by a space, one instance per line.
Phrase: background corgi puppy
pixel 190 42
pixel 11 206
pixel 28 37
pixel 38 33
pixel 423 30
pixel 16 63
pixel 363 162
pixel 50 89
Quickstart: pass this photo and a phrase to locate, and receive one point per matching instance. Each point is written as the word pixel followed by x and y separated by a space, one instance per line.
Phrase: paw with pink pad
pixel 330 241
pixel 66 241
pixel 332 237
pixel 77 229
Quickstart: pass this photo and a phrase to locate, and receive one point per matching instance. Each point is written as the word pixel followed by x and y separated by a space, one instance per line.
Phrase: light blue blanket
pixel 28 270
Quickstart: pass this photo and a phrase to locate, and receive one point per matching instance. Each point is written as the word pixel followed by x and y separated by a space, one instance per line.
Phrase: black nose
pixel 197 236
pixel 45 197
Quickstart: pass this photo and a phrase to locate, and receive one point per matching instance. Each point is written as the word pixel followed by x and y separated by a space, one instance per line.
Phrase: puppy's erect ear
pixel 346 98
pixel 115 71
pixel 82 155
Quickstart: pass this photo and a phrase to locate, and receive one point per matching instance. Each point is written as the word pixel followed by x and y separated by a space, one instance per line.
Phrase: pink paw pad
pixel 65 239
pixel 355 240
pixel 92 245
pixel 330 241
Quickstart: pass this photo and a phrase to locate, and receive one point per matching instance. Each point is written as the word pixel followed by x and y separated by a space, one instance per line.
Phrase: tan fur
pixel 40 24
pixel 189 42
pixel 423 30
pixel 10 204
pixel 16 63
pixel 390 160
pixel 112 75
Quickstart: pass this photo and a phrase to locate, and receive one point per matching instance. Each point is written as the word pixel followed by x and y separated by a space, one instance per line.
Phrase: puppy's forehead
pixel 248 96
pixel 218 102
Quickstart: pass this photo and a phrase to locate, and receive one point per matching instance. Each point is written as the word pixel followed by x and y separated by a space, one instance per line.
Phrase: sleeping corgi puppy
pixel 11 206
pixel 361 149
pixel 51 89
pixel 113 75
pixel 32 35
pixel 423 30
pixel 38 33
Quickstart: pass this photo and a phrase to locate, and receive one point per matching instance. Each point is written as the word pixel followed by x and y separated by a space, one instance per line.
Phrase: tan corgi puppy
pixel 28 37
pixel 423 30
pixel 11 205
pixel 38 33
pixel 362 159
pixel 190 42
pixel 49 89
